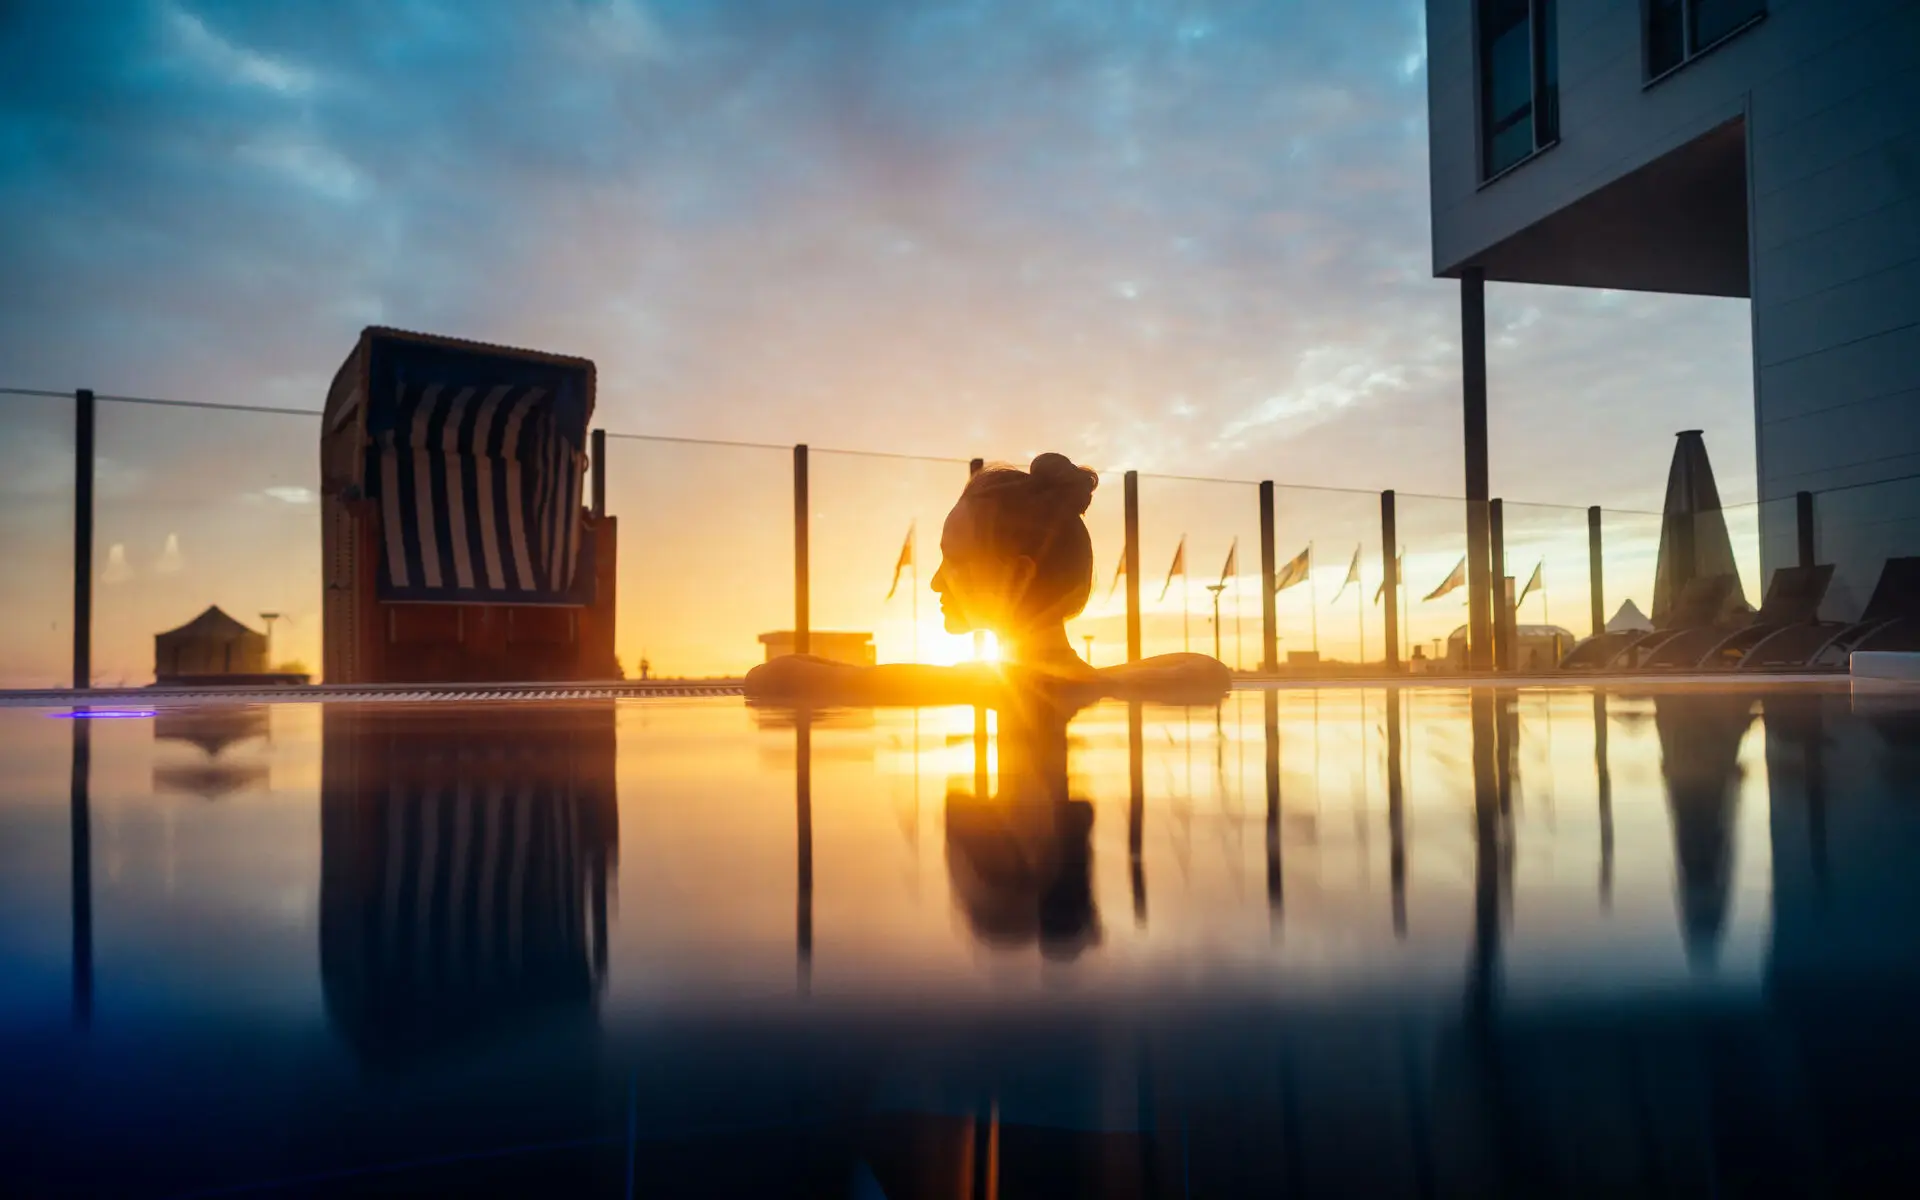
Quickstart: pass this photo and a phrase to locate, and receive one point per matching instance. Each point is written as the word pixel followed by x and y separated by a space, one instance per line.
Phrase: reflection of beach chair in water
pixel 1699 606
pixel 1792 602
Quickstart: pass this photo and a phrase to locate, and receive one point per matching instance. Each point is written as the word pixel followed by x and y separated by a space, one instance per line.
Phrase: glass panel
pixel 1858 529
pixel 1328 615
pixel 1743 534
pixel 1105 619
pixel 1216 520
pixel 1630 554
pixel 200 508
pixel 863 508
pixel 705 554
pixel 1510 73
pixel 1433 538
pixel 1716 19
pixel 1666 36
pixel 36 863
pixel 1548 560
pixel 36 541
pixel 1547 119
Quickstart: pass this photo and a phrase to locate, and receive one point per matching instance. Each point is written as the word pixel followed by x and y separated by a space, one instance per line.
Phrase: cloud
pixel 1191 237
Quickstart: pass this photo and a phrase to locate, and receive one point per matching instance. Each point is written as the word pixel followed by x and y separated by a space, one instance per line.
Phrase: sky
pixel 1189 238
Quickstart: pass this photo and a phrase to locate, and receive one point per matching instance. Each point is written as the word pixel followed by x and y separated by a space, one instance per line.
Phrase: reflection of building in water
pixel 1700 735
pixel 216 734
pixel 1843 967
pixel 464 867
pixel 854 648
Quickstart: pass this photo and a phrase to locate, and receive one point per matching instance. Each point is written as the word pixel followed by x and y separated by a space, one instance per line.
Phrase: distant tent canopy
pixel 1629 620
pixel 477 462
pixel 213 643
pixel 1693 533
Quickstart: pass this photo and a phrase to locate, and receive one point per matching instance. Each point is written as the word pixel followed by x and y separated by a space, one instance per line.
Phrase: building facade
pixel 1765 149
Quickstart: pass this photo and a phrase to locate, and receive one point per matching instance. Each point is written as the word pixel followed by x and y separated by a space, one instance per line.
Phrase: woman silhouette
pixel 1016 559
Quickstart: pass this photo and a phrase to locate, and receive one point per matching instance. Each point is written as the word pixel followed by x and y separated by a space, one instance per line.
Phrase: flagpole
pixel 1186 613
pixel 1360 611
pixel 1406 609
pixel 1313 604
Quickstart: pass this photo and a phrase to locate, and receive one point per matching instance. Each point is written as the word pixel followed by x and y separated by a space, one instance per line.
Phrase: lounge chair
pixel 1700 603
pixel 1891 621
pixel 1792 601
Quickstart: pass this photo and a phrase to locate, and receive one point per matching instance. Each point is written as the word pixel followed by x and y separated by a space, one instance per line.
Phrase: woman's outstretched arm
pixel 806 677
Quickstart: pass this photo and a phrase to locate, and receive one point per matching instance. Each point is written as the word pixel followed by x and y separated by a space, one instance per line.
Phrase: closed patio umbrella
pixel 1693 532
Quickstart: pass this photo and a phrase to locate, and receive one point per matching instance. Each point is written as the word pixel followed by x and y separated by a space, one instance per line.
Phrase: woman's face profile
pixel 979 587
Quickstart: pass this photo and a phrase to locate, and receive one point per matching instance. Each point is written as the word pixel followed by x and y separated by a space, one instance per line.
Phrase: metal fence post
pixel 1390 577
pixel 1497 558
pixel 1269 617
pixel 1473 379
pixel 83 415
pixel 1596 580
pixel 1803 515
pixel 802 643
pixel 599 444
pixel 1131 489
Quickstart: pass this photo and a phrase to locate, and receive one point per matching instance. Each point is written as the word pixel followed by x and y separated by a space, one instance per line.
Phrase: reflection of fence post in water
pixel 81 824
pixel 1486 858
pixel 1604 776
pixel 1136 809
pixel 1396 816
pixel 803 844
pixel 1270 715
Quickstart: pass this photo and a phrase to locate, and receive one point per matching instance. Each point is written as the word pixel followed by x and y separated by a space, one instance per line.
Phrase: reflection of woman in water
pixel 1016 560
pixel 1021 861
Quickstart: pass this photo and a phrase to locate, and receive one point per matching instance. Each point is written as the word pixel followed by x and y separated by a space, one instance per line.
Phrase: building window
pixel 1678 30
pixel 1519 82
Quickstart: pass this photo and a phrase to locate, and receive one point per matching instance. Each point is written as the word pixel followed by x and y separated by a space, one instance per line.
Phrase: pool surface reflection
pixel 1339 941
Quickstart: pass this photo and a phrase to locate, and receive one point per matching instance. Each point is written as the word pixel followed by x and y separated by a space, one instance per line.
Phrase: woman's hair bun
pixel 1058 475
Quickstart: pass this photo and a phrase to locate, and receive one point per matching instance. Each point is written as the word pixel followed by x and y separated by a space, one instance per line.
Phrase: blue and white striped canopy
pixel 478 475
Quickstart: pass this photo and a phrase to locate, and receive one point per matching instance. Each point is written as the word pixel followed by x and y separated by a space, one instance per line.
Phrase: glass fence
pixel 705 555
pixel 36 541
pixel 1433 550
pixel 874 544
pixel 1195 535
pixel 200 507
pixel 1859 529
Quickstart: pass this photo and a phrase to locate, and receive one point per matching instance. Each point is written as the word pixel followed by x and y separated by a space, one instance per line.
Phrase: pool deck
pixel 175 696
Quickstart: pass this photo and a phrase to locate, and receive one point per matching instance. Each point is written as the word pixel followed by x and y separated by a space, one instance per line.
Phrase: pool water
pixel 1337 941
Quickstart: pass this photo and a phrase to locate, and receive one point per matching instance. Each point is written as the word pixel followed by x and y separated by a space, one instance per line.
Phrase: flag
pixel 1353 577
pixel 1399 561
pixel 1179 567
pixel 1532 584
pixel 1232 567
pixel 1457 579
pixel 1295 571
pixel 905 560
pixel 1119 571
